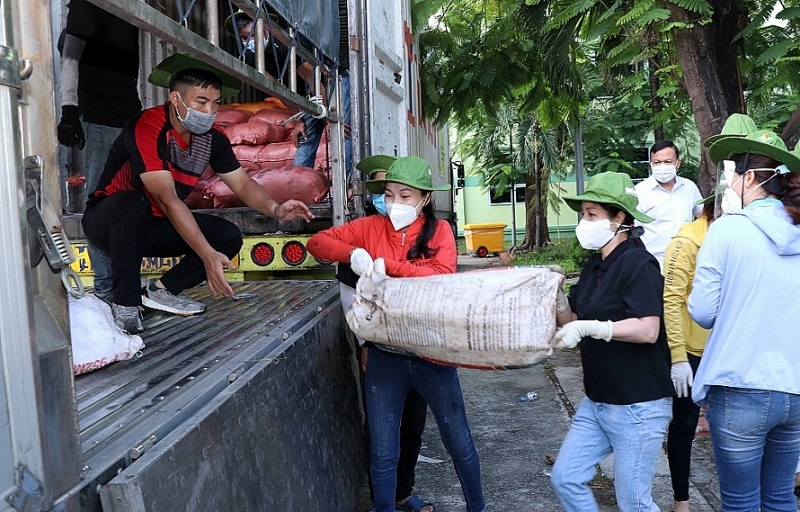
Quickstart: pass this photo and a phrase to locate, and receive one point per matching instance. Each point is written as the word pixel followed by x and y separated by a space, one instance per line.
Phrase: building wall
pixel 473 206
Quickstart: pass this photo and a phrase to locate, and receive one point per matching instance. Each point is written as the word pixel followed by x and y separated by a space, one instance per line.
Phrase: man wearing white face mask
pixel 669 199
pixel 138 207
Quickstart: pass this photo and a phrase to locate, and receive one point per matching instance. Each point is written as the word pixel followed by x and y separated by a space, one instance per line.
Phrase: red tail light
pixel 294 253
pixel 262 254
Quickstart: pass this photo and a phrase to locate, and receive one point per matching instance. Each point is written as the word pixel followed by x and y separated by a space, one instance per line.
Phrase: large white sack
pixel 96 340
pixel 482 319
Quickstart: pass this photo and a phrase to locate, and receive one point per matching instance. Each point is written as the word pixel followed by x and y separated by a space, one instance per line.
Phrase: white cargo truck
pixel 253 405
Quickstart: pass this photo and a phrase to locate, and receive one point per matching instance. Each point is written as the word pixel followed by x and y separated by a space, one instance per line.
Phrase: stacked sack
pixel 263 146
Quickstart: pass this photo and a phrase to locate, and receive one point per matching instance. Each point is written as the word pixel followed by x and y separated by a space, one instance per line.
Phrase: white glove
pixel 380 268
pixel 682 378
pixel 360 261
pixel 573 332
pixel 319 101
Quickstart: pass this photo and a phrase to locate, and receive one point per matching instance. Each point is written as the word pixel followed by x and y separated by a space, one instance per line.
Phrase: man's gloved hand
pixel 682 378
pixel 572 333
pixel 360 261
pixel 70 131
pixel 320 102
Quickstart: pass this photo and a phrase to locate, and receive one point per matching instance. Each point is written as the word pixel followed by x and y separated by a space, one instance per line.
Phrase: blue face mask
pixel 250 45
pixel 379 202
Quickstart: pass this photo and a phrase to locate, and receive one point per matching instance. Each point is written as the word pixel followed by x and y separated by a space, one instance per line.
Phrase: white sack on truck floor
pixel 481 319
pixel 96 340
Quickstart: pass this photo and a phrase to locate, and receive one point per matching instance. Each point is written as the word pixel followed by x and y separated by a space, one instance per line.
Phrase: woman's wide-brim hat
pixel 408 170
pixel 615 188
pixel 737 125
pixel 761 142
pixel 181 61
pixel 375 163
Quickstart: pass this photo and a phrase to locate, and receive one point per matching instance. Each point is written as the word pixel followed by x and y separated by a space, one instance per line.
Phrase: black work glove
pixel 70 131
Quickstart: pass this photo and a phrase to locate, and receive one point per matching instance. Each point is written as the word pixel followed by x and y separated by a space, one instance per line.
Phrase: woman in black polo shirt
pixel 615 313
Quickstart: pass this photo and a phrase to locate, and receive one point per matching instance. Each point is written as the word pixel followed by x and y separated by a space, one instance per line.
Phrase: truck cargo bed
pixel 191 367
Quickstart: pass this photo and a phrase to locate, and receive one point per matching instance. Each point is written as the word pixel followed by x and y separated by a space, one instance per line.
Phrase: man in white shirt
pixel 666 197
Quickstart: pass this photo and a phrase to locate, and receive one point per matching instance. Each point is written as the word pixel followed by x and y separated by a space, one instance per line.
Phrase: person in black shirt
pixel 615 313
pixel 99 94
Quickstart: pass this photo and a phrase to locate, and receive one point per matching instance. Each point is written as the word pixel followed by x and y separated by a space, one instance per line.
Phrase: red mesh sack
pixel 231 116
pixel 248 156
pixel 301 183
pixel 278 154
pixel 271 116
pixel 255 132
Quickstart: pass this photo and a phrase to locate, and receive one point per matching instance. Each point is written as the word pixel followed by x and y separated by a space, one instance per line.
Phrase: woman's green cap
pixel 737 125
pixel 615 188
pixel 761 142
pixel 408 170
pixel 375 163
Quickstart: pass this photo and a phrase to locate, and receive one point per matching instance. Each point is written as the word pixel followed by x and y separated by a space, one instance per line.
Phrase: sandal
pixel 414 504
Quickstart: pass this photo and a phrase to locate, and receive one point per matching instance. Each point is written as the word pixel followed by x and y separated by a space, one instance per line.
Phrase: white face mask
pixel 402 215
pixel 731 202
pixel 594 234
pixel 664 173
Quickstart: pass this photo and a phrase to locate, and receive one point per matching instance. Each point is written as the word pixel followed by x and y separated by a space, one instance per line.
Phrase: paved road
pixel 515 440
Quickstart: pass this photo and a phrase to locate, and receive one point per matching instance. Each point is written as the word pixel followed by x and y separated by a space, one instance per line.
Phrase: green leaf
pixel 776 51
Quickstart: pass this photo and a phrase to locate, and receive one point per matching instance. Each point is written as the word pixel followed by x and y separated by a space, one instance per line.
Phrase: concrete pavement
pixel 517 440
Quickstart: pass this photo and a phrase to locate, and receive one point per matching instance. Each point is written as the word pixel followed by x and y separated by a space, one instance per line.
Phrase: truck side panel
pixel 286 435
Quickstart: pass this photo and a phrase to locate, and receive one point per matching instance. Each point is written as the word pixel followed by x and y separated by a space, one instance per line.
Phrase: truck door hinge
pixel 29 496
pixel 138 450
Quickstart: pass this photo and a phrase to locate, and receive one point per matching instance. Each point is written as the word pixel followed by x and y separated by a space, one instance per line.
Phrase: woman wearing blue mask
pixel 413 243
pixel 615 314
pixel 415 410
pixel 745 289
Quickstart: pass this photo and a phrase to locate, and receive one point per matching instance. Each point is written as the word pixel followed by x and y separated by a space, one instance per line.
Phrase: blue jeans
pixel 633 433
pixel 389 379
pixel 756 439
pixel 99 139
pixel 307 151
pixel 346 117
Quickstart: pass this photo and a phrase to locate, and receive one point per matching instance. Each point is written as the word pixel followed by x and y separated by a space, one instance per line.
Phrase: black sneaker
pixel 154 297
pixel 127 318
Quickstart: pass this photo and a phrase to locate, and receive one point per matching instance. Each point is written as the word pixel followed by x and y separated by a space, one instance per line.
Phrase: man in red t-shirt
pixel 138 207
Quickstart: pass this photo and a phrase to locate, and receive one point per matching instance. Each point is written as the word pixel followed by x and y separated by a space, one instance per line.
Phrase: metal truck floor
pixel 125 407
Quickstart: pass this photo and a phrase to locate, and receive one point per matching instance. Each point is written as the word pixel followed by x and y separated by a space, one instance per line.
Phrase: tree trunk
pixel 711 75
pixel 536 232
pixel 791 132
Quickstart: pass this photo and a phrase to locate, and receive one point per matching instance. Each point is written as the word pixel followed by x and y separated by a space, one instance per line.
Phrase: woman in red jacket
pixel 413 243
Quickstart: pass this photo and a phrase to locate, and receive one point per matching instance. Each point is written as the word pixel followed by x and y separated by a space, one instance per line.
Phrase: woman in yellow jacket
pixel 686 341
